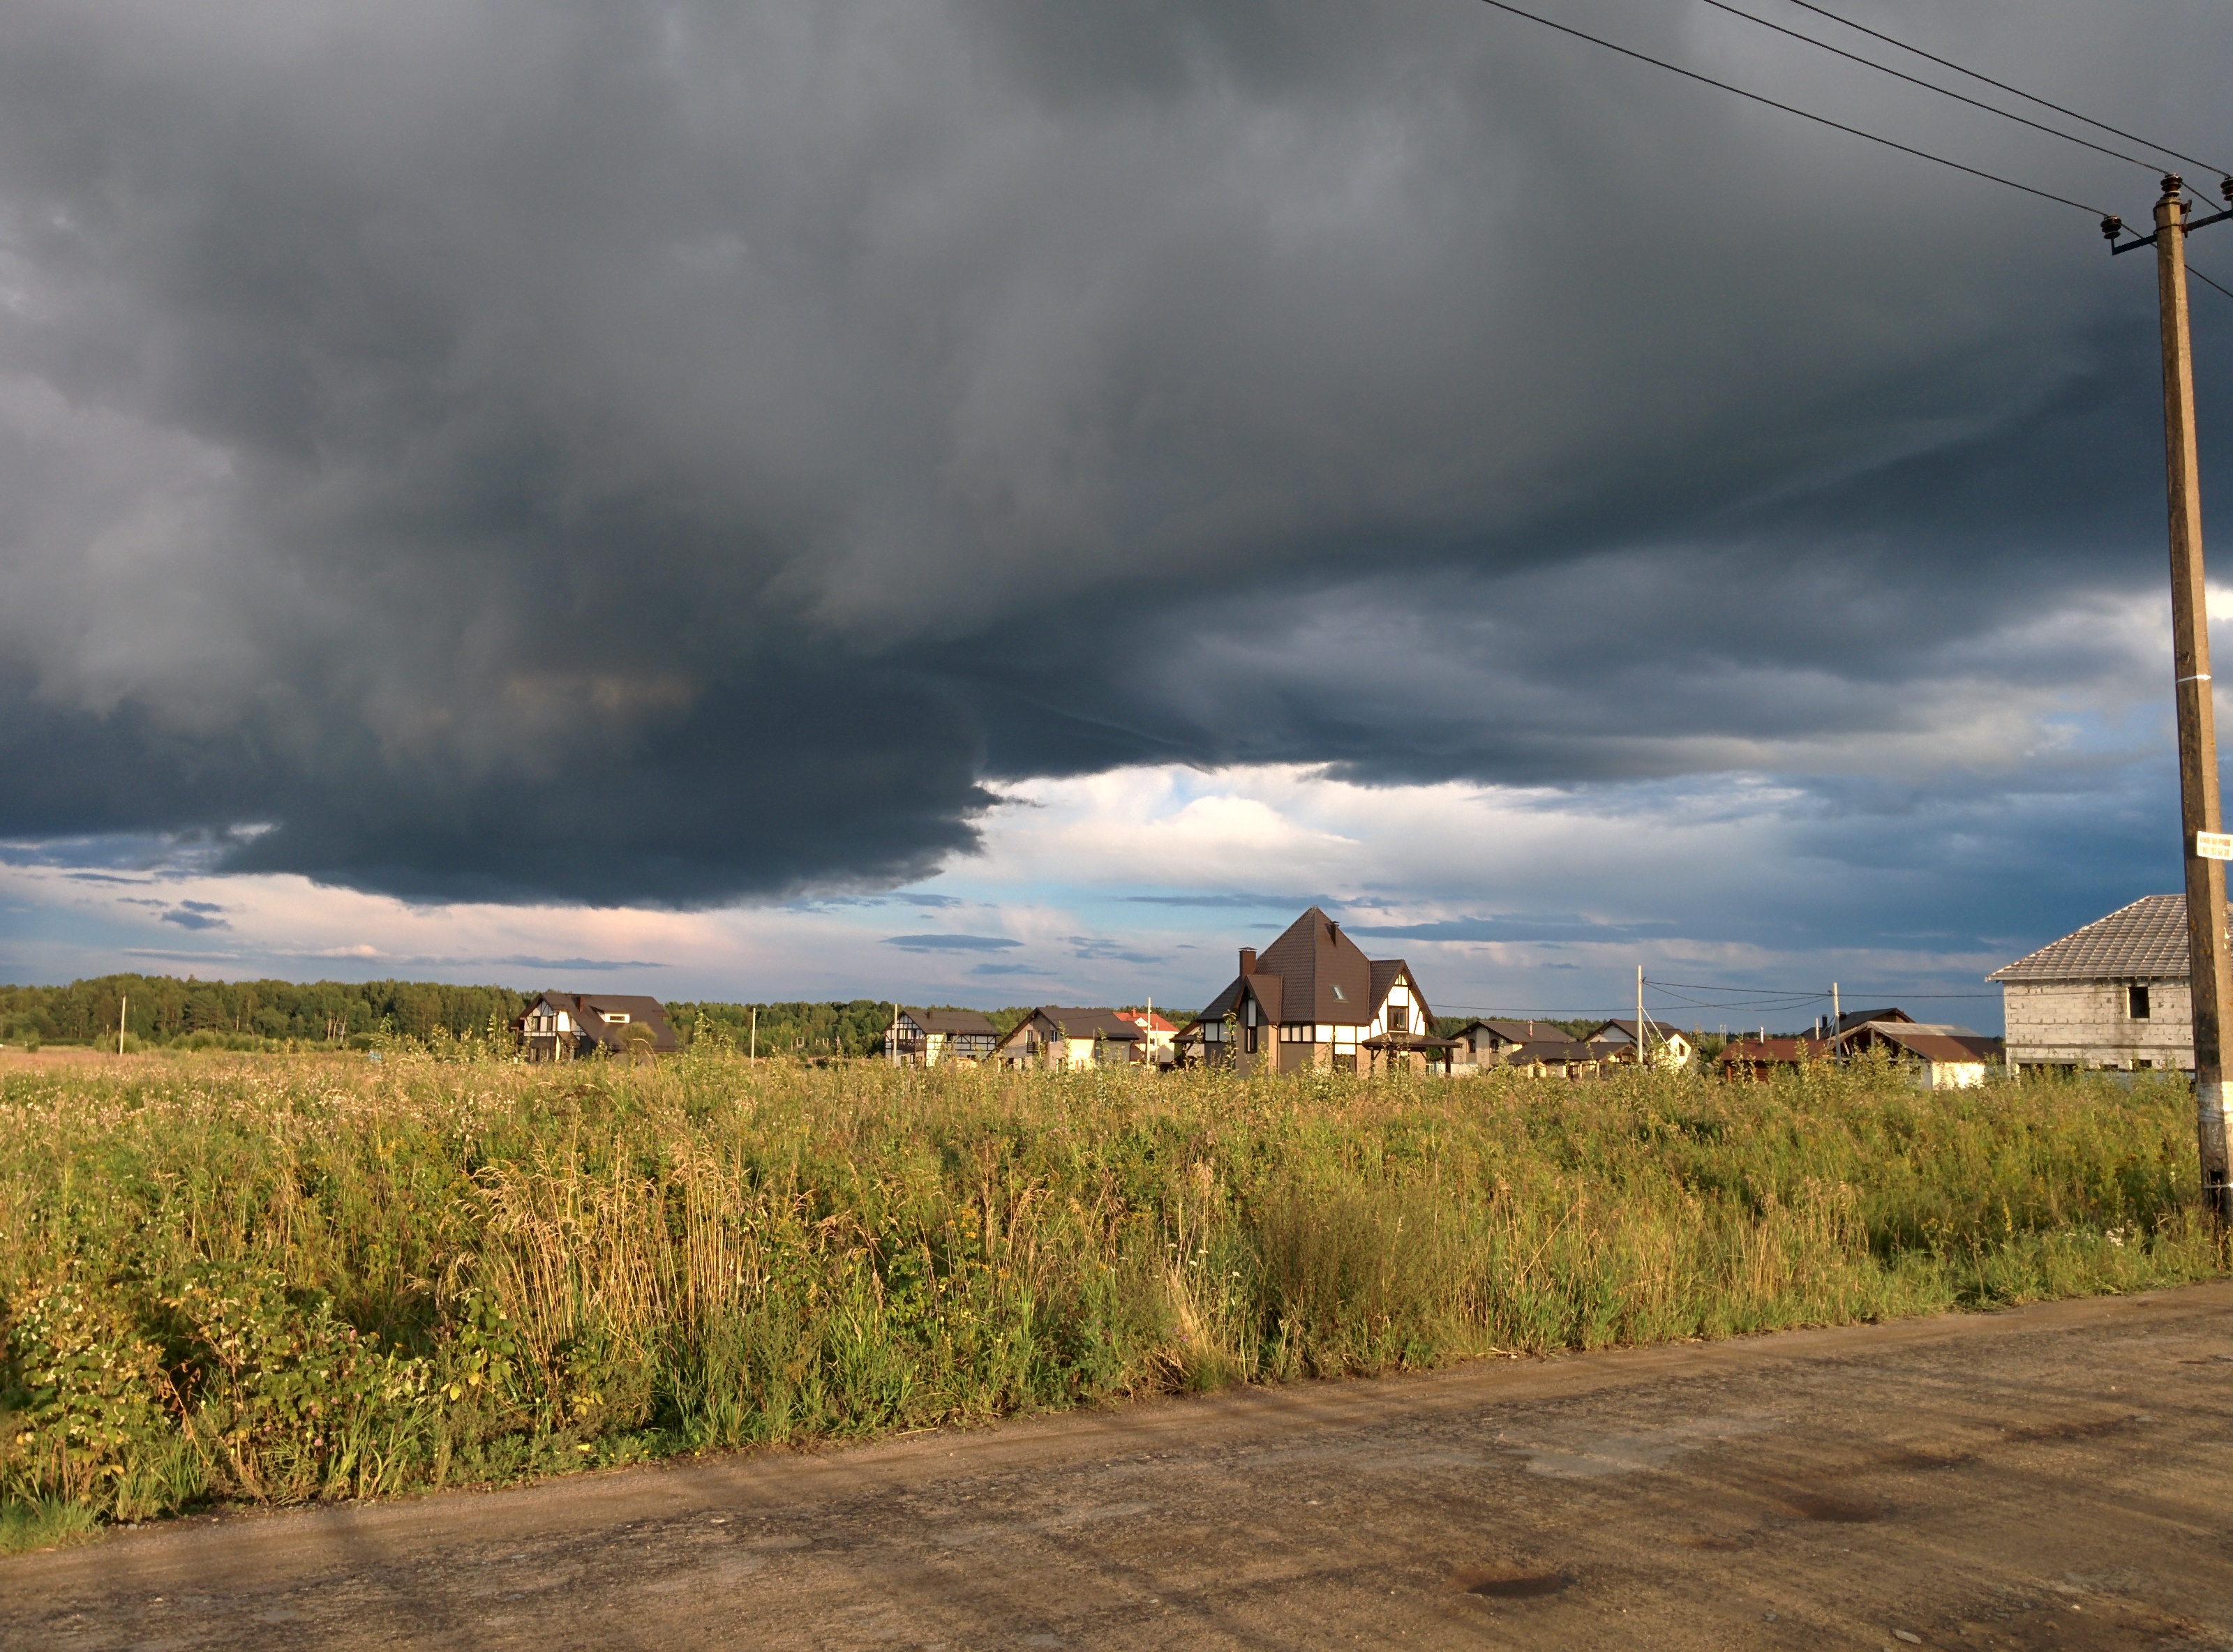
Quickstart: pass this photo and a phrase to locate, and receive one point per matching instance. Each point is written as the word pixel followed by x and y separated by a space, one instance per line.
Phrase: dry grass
pixel 280 1279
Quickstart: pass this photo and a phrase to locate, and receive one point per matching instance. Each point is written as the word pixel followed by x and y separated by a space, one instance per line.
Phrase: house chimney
pixel 1247 961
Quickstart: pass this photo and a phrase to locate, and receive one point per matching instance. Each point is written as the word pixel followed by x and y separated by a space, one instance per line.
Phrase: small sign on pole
pixel 2213 846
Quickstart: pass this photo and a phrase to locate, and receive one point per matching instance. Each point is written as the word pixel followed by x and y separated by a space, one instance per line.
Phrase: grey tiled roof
pixel 2145 941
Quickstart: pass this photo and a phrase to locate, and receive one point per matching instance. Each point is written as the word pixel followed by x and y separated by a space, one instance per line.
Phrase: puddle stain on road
pixel 1812 1506
pixel 1502 1583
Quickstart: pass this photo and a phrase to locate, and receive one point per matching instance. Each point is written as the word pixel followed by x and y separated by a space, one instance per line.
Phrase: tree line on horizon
pixel 165 1010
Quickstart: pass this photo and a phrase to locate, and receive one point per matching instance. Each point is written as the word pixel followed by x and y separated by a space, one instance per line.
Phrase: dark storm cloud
pixel 625 453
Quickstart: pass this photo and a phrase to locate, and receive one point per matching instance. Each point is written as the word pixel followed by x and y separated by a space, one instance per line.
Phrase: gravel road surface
pixel 2052 1477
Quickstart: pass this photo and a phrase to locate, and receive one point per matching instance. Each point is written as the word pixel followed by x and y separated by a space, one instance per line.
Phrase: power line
pixel 1819 119
pixel 1930 85
pixel 1723 986
pixel 2206 281
pixel 2029 97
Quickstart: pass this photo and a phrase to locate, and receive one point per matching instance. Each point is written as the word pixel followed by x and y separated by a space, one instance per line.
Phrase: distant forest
pixel 163 1010
pixel 807 1028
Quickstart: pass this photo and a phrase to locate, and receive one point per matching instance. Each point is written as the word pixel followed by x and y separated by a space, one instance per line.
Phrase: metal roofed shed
pixel 1943 1057
pixel 2112 995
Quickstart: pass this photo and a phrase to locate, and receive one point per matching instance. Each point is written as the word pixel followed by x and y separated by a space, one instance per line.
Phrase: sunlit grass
pixel 279 1280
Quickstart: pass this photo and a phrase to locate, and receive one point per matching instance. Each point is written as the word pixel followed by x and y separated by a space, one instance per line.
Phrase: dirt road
pixel 2060 1476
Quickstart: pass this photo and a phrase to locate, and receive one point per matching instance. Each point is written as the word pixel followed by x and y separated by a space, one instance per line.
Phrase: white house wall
pixel 1953 1075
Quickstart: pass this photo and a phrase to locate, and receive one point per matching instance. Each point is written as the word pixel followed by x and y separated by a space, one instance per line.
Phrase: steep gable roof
pixel 2145 941
pixel 1314 974
pixel 1931 1041
pixel 1663 1030
pixel 1853 1018
pixel 952 1023
pixel 1270 992
pixel 1323 975
pixel 1057 1021
pixel 1510 1032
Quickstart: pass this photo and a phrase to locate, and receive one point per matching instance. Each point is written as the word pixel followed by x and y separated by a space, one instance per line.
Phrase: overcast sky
pixel 1005 501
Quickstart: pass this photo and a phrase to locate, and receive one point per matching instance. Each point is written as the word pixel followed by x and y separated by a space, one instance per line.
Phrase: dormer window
pixel 616 1020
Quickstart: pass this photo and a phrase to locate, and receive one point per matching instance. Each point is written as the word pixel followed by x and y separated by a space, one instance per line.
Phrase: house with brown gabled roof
pixel 2111 995
pixel 1616 1041
pixel 1314 1000
pixel 1483 1046
pixel 925 1037
pixel 566 1026
pixel 1942 1056
pixel 1747 1057
pixel 1051 1036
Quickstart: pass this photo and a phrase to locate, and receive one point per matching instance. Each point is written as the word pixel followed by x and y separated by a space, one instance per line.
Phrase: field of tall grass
pixel 276 1279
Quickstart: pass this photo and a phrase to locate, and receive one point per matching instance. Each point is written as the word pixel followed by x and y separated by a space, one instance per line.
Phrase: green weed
pixel 277 1281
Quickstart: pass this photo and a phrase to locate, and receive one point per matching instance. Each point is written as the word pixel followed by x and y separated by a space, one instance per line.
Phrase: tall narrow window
pixel 2136 1002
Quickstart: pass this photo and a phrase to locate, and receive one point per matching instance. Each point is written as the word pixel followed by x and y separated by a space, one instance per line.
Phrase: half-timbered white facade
pixel 562 1027
pixel 1314 1000
pixel 926 1038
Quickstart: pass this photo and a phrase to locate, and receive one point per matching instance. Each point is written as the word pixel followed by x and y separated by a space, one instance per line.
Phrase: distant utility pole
pixel 1639 1016
pixel 123 1003
pixel 2204 849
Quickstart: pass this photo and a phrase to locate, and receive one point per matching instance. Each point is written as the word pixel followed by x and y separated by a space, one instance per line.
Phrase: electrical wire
pixel 1929 86
pixel 1723 986
pixel 2206 281
pixel 1819 119
pixel 2029 97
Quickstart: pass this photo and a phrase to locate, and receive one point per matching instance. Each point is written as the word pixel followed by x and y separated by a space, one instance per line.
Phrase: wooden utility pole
pixel 755 1049
pixel 2211 988
pixel 123 1004
pixel 1639 1016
